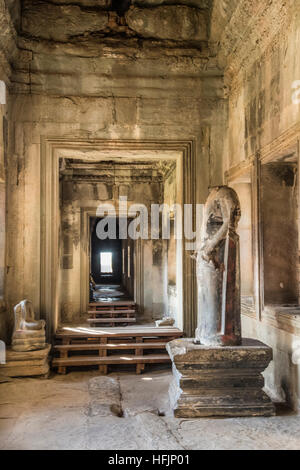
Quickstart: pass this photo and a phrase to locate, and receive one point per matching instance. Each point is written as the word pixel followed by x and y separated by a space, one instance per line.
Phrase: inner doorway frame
pixel 85 248
pixel 52 149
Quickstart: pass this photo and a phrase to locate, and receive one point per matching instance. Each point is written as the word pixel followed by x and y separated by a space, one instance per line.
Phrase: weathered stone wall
pixel 260 80
pixel 262 65
pixel 282 375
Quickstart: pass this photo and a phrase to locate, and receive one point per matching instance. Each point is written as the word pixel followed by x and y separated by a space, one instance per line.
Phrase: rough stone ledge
pixel 177 22
pixel 250 352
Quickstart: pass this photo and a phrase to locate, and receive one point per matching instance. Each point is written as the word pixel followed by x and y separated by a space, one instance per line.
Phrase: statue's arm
pixel 211 244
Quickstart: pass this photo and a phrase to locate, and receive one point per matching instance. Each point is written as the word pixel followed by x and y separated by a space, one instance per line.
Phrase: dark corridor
pixel 106 258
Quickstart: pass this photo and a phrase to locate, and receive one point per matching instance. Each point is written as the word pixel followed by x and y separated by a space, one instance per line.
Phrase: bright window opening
pixel 106 262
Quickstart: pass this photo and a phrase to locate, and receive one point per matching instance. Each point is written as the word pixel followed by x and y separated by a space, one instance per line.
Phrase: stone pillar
pixel 220 380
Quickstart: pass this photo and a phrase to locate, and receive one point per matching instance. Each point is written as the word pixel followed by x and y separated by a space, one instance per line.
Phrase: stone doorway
pixel 55 277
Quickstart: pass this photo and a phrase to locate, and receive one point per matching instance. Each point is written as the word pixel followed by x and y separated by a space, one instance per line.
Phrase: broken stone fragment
pixel 61 22
pixel 174 22
pixel 168 321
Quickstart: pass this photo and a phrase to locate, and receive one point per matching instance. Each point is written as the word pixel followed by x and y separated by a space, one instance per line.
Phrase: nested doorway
pixel 112 263
pixel 65 257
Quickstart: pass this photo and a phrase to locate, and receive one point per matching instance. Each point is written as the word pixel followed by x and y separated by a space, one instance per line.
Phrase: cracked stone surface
pixel 187 23
pixel 60 22
pixel 83 410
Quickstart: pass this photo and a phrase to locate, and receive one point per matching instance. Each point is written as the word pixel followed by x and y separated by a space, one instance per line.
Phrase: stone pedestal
pixel 26 364
pixel 219 381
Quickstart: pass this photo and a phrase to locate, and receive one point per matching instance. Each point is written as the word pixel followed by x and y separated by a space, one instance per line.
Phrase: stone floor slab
pixel 82 411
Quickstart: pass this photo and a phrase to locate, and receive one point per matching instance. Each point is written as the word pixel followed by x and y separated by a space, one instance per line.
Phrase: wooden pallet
pixel 115 303
pixel 108 344
pixel 121 312
pixel 103 362
pixel 111 320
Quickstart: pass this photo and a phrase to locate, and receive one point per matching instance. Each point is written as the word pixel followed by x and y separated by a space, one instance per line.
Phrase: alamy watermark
pixel 162 221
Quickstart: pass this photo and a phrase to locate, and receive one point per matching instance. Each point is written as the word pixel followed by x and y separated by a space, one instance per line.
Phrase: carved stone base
pixel 219 381
pixel 28 340
pixel 26 364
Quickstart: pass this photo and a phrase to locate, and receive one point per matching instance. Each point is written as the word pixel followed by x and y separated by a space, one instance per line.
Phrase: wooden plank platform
pixel 124 359
pixel 106 311
pixel 111 320
pixel 86 332
pixel 108 303
pixel 108 343
pixel 104 361
pixel 115 311
pixel 109 346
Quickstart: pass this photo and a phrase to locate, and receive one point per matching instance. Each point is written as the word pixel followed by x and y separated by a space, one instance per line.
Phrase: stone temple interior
pixel 151 102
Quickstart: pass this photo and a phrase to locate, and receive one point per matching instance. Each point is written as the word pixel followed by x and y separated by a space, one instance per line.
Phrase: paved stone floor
pixel 83 410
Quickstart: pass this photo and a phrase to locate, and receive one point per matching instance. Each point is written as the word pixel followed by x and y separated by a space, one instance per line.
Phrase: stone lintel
pixel 219 381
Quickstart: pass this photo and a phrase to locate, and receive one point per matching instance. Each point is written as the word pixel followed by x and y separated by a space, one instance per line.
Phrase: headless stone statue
pixel 221 376
pixel 218 271
pixel 28 334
